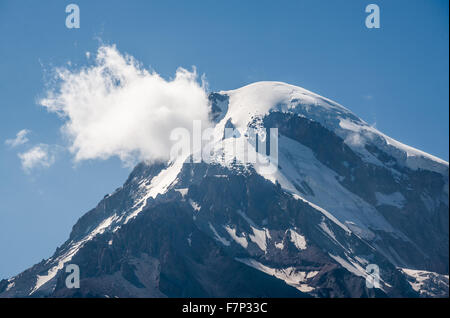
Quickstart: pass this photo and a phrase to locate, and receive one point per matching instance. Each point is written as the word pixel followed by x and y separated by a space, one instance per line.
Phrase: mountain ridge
pixel 344 196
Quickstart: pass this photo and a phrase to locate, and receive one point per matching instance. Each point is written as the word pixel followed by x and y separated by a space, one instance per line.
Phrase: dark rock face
pixel 169 249
pixel 153 258
pixel 226 231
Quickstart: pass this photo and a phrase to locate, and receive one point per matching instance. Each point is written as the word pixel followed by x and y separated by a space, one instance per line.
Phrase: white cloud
pixel 115 107
pixel 38 156
pixel 21 138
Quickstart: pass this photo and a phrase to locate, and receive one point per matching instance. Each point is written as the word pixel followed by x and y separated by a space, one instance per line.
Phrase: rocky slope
pixel 343 196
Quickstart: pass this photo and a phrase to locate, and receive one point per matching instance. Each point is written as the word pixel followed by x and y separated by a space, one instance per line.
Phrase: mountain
pixel 343 197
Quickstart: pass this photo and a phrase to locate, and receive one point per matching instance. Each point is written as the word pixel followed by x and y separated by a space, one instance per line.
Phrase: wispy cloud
pixel 115 107
pixel 354 140
pixel 38 156
pixel 21 138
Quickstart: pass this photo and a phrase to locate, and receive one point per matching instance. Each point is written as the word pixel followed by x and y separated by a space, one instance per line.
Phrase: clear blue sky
pixel 396 76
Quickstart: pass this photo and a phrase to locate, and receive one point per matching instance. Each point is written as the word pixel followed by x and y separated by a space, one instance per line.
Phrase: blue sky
pixel 395 77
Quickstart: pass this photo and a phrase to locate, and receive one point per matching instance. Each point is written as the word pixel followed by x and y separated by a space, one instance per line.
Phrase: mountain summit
pixel 343 198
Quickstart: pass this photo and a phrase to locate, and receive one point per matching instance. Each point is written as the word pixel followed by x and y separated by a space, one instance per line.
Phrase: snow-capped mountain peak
pixel 261 98
pixel 343 196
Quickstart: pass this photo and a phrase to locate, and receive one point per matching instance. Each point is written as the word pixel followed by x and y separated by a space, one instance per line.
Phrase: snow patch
pixel 411 157
pixel 158 185
pixel 298 240
pixel 259 237
pixel 240 240
pixel 10 285
pixel 427 283
pixel 194 205
pixel 218 237
pixel 182 191
pixel 279 245
pixel 350 265
pixel 289 275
